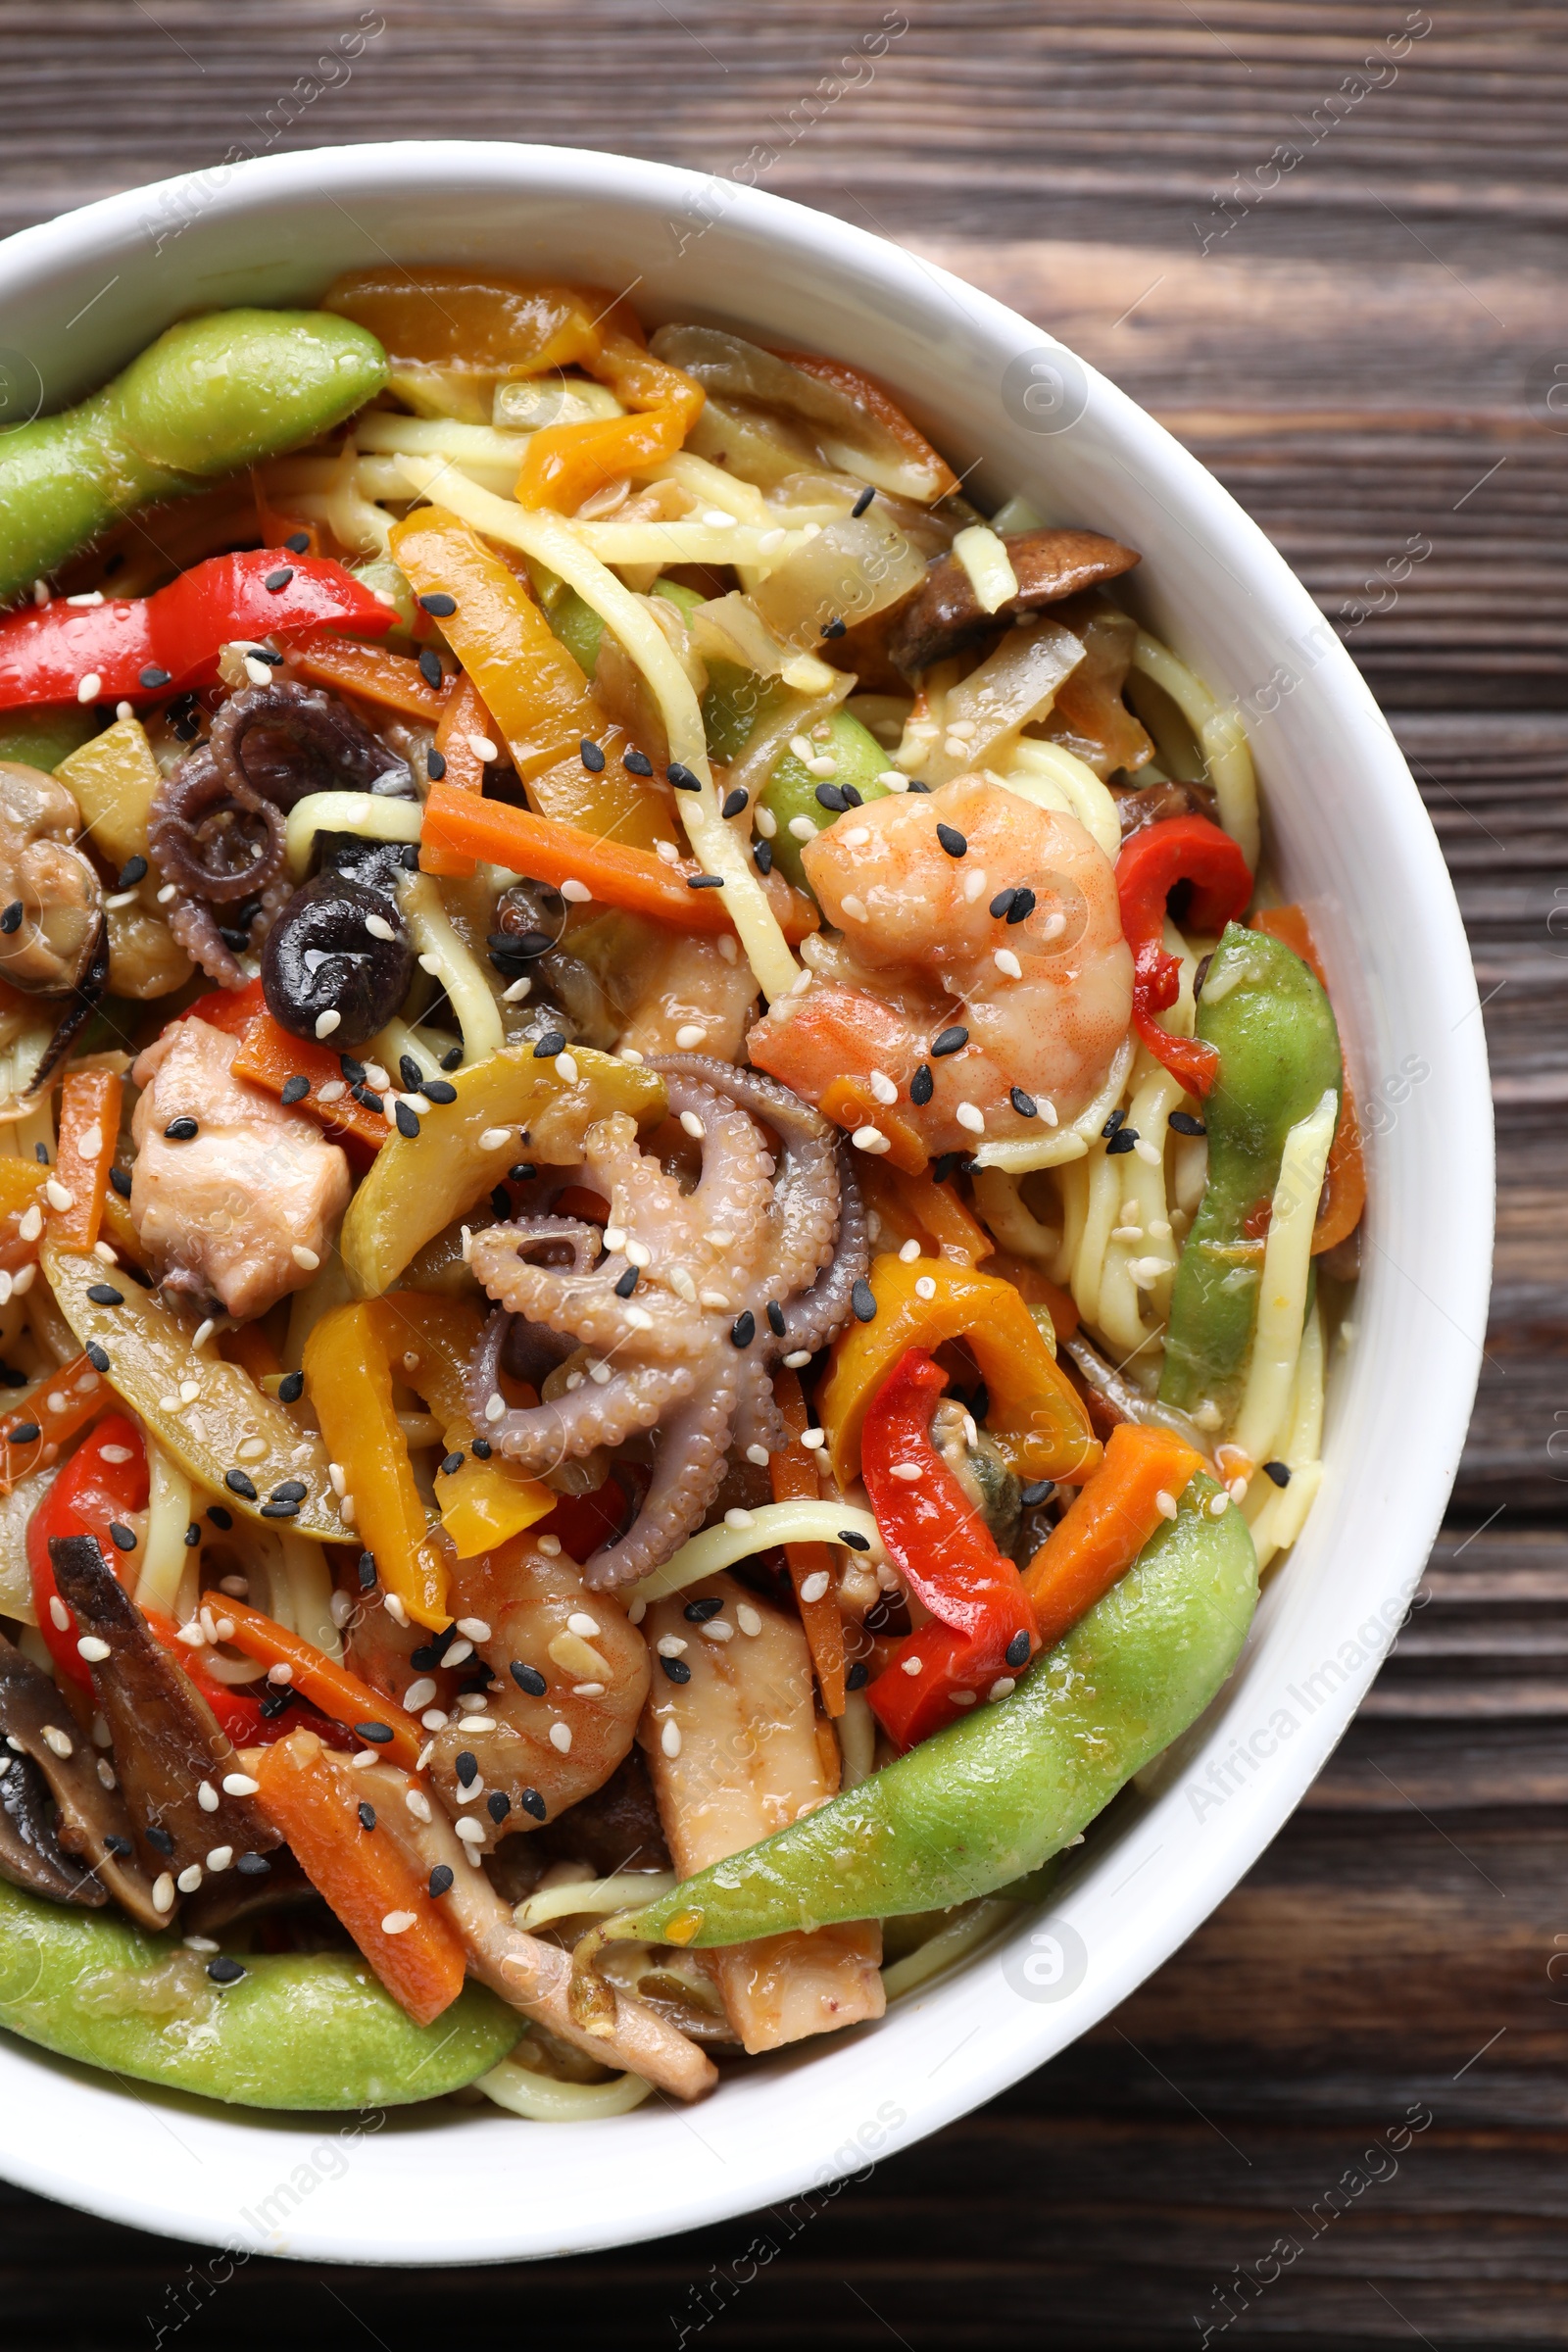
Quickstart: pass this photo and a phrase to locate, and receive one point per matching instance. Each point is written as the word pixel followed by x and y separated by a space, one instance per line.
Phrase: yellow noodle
pixel 468 990
pixel 165 1552
pixel 970 1927
pixel 717 1548
pixel 544 2100
pixel 593 1897
pixel 1282 1291
pixel 1220 738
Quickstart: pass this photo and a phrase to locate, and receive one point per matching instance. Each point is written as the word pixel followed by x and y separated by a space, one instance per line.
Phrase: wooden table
pixel 1365 338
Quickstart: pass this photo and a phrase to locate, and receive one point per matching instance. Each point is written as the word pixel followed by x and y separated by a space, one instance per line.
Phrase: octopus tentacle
pixel 194 927
pixel 757 1419
pixel 687 1475
pixel 765 1097
pixel 640 1195
pixel 539 1438
pixel 818 1314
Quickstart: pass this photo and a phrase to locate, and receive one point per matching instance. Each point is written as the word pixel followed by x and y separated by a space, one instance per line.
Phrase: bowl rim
pixel 769 2162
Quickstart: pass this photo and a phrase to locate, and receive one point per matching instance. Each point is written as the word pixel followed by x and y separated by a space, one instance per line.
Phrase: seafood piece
pixel 238 1201
pixel 734 1752
pixel 982 958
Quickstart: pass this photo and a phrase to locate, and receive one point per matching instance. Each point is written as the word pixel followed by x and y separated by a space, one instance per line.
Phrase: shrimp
pixel 971 911
pixel 573 1677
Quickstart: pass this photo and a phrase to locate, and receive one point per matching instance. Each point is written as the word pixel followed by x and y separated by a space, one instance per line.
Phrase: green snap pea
pixel 210 397
pixel 312 2031
pixel 792 789
pixel 991 1798
pixel 1279 1050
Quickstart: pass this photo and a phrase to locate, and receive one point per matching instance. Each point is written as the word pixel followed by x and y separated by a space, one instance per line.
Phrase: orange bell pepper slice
pixel 484 1502
pixel 1338 1212
pixel 348 1379
pixel 1036 1419
pixel 89 1128
pixel 793 1474
pixel 312 1801
pixel 393 680
pixel 1107 1524
pixel 322 1680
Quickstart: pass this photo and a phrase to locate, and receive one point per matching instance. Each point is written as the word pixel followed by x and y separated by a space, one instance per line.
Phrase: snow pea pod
pixel 1267 1016
pixel 295 2030
pixel 210 397
pixel 995 1794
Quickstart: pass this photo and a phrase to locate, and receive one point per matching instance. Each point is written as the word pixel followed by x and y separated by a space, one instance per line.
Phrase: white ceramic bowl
pixel 1348 832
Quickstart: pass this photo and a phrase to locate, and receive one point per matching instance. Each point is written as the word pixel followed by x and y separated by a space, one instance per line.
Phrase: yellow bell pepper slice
pixel 1037 1418
pixel 483 1503
pixel 529 683
pixel 421 1183
pixel 348 1378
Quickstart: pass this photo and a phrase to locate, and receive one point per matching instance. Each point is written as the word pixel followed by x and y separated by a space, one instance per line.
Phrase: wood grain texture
pixel 1368 354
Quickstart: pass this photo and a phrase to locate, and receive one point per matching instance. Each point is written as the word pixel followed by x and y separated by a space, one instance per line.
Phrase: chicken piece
pixel 240 1209
pixel 746 1761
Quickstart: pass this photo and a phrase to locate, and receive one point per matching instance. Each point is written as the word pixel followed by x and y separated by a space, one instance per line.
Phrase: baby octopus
pixel 696 1298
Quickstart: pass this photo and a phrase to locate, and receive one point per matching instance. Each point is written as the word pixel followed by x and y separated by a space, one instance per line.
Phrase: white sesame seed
pixel 970 1117
pixel 168 891
pixel 430 965
pixel 797 1358
pixel 812 1438
pixel 221 1857
pixel 419 1804
pixel 582 1625
pixel 854 906
pixel 379 927
pixel 494 1405
pixel 1002 1687
pixel 689 1035
pixel 882 1087
pixel 766 822
pixel 692 1125
pixel 747 1618
pixel 240 1784
pixel 91 687
pixel 473 1629
pixel 398 1922
pixel 815 1587
pixel 164 1884
pixel 92 1649
pixel 638 1318
pixel 340 1608
pixel 668 851
pixel 327 1023
pixel 718 1301
pixel 420 1695
pixel 189 1880
pixel 588 1690
pixel 926 1288
pixel 758 1456
pixel 339 1478
pixel 614 1238
pixel 91 1142
pixel 909 1251
pixel 803 828
pixel 207 1797
pixel 549 1545
pixel 203 1333
pixel 911 1665
pixel 739 1519
pixel 908 1472
pixel 669 1737
pixel 1219 1507
pixel 871 1140
pixel 1165 1504
pixel 560 1738
pixel 30 1224
pixel 639 1254
pixel 566 1067
pixel 56 1195
pixel 436 1719
pixel 671 1646
pixel 483 748
pixel 363 1758
pixel 1148 1151
pixel 59 1614
pixel 963 1698
pixel 59 1743
pixel 1007 963
pixel 493 1137
pixel 333 1092
pixel 718 1629
pixel 470 1831
pixel 516 990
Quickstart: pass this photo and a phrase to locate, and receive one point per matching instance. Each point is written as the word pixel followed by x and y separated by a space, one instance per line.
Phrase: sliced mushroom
pixel 82 1855
pixel 1140 804
pixel 77 1010
pixel 946 614
pixel 51 900
pixel 169 1745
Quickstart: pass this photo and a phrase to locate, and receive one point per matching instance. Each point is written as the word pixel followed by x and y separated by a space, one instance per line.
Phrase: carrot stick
pixel 324 1681
pixel 89 1126
pixel 794 1477
pixel 850 1104
pixel 57 1408
pixel 548 851
pixel 360 1872
pixel 390 679
pixel 463 717
pixel 270 1055
pixel 1107 1524
pixel 1344 1178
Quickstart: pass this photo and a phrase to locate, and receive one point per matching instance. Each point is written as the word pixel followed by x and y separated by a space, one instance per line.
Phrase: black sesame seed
pixel 1201 975
pixel 698 1612
pixel 855 1541
pixel 636 763
pixel 1002 904
pixel 953 841
pixel 1017 1650
pixel 367 1565
pixel 97 1356
pixel 736 803
pixel 292 1489
pixel 922 1086
pixel 153 678
pixel 951 1041
pixel 677 1668
pixel 943 1165
pixel 1279 1472
pixel 424 1658
pixel 254 1866
pixel 40 1153
pixel 439 604
pixel 1184 1123
pixel 626 1283
pixel 481 1450
pixel 240 1482
pixel 181 1131
pixel 1023 904
pixel 550 1045
pixel 1035 1492
pixel 452 1058
pixel 859 1676
pixel 133 870
pixel 277 1701
pixel 915 787
pixel 530 1800
pixel 430 669
pixel 223 1971
pixel 452 1464
pixel 120 1178
pixel 11 920
pixel 124 1538
pixel 235 938
pixel 161 1841
pixel 366 1817
pixel 1123 1140
pixel 775 1319
pixel 1117 1119
pixel 104 1294
pixel 298 542
pixel 763 857
pixel 353 1071
pixel 441 1879
pixel 280 1510
pixel 220 1516
pixel 435 764
pixel 437 1090
pixel 276 581
pixel 375 1735
pixel 291 1388
pixel 25 1433
pixel 705 881
pixel 1024 1105
pixel 498 1804
pixel 831 796
pixel 863 1300
pixel 522 1171
pixel 408 1122
pixel 864 500
pixel 592 757
pixel 833 629
pixel 743 1331
pixel 681 777
pixel 528 1679
pixel 120 1847
pixel 411 1073
pixel 295 1089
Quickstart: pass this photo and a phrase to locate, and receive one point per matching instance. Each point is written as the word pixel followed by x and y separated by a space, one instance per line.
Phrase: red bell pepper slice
pixel 174 637
pixel 236 1705
pixel 983 1628
pixel 1179 848
pixel 105 1480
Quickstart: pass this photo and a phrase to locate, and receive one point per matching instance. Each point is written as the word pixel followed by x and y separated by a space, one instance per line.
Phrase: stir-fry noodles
pixel 667 1213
